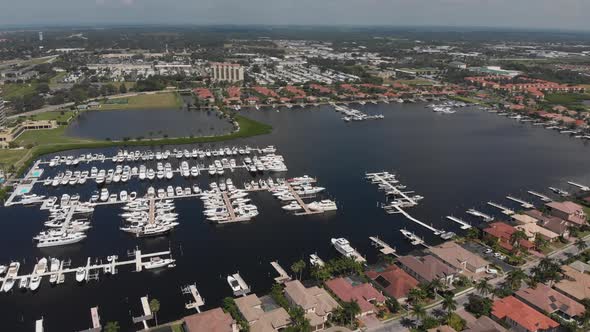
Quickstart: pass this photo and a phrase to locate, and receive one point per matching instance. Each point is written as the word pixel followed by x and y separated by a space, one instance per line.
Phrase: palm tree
pixel 418 311
pixel 112 327
pixel 483 287
pixel 581 244
pixel 155 307
pixel 435 285
pixel 416 295
pixel 515 278
pixel 449 304
pixel 540 243
pixel 516 237
pixel 298 268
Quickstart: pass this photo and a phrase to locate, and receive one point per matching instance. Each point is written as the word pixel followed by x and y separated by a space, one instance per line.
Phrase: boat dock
pixel 198 300
pixel 384 248
pixel 229 207
pixel 244 288
pixel 39 325
pixel 475 213
pixel 147 313
pixel 388 182
pixel 464 225
pixel 400 210
pixel 96 327
pixel 541 196
pixel 283 276
pixel 580 186
pixel 96 268
pixel 502 208
pixel 306 209
pixel 522 203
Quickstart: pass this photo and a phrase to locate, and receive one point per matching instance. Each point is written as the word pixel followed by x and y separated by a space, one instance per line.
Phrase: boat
pixel 157 262
pixel 40 268
pixel 323 205
pixel 60 239
pixel 234 284
pixel 315 260
pixel 11 276
pixel 80 274
pixel 54 267
pixel 343 246
pixel 293 206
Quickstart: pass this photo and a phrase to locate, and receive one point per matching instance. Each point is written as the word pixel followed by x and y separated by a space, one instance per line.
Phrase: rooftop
pixel 214 320
pixel 523 315
pixel 362 293
pixel 427 267
pixel 549 300
pixel 395 281
pixel 458 257
pixel 575 284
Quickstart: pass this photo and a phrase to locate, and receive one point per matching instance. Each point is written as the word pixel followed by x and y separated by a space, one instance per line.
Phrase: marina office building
pixel 227 72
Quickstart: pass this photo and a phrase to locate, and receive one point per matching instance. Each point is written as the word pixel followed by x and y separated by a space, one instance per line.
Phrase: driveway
pixel 480 250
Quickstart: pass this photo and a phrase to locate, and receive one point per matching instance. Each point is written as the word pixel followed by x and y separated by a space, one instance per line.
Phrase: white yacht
pixel 60 239
pixel 80 274
pixel 234 284
pixel 323 205
pixel 10 276
pixel 157 262
pixel 293 206
pixel 40 268
pixel 54 267
pixel 315 260
pixel 343 246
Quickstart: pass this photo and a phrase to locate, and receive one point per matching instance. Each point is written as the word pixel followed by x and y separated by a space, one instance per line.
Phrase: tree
pixel 122 88
pixel 548 270
pixel 393 305
pixel 581 244
pixel 418 311
pixel 416 295
pixel 478 306
pixel 473 233
pixel 155 307
pixel 298 268
pixel 515 278
pixel 540 243
pixel 112 327
pixel 449 304
pixel 483 287
pixel 434 286
pixel 516 237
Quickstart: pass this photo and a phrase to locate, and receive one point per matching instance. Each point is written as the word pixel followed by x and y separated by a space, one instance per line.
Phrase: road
pixel 561 254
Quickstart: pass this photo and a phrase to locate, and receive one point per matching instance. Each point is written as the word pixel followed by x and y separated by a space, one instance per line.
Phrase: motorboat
pixel 60 239
pixel 80 274
pixel 11 275
pixel 54 268
pixel 40 268
pixel 234 284
pixel 157 262
pixel 293 206
pixel 323 205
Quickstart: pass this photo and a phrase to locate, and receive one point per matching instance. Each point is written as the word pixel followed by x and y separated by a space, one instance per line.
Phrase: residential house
pixel 580 266
pixel 549 301
pixel 428 268
pixel 364 294
pixel 316 302
pixel 395 282
pixel 574 284
pixel 262 317
pixel 468 263
pixel 568 211
pixel 522 317
pixel 214 320
pixel 533 230
pixel 502 233
pixel 552 223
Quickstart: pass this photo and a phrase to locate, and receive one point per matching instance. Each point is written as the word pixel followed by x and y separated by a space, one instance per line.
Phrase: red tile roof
pixel 203 93
pixel 362 293
pixel 503 232
pixel 395 281
pixel 525 316
pixel 214 320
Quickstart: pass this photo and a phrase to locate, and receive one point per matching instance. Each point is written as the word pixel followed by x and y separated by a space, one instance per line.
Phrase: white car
pixel 502 257
pixel 489 251
pixel 491 271
pixel 497 254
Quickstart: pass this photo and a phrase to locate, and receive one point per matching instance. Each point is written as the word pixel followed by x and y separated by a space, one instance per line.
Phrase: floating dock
pixel 464 225
pixel 475 213
pixel 147 313
pixel 283 275
pixel 198 300
pixel 541 196
pixel 580 186
pixel 96 327
pixel 306 209
pixel 384 248
pixel 502 208
pixel 522 203
pixel 244 288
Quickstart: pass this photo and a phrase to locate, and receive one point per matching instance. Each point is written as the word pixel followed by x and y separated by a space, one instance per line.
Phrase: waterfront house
pixel 469 264
pixel 364 294
pixel 428 268
pixel 574 284
pixel 501 233
pixel 262 316
pixel 204 94
pixel 568 211
pixel 395 282
pixel 550 301
pixel 552 223
pixel 315 302
pixel 214 320
pixel 481 324
pixel 521 317
pixel 533 230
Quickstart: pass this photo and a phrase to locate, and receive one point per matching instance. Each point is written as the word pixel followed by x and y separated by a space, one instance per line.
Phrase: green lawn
pixel 57 79
pixel 47 137
pixel 13 90
pixel 414 82
pixel 10 157
pixel 159 100
pixel 57 115
pixel 177 328
pixel 566 98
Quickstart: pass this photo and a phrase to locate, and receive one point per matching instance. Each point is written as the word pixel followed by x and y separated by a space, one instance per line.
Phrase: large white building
pixel 2 114
pixel 227 72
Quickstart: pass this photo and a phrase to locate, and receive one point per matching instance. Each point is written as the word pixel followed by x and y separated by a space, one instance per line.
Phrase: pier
pixel 522 203
pixel 400 210
pixel 502 208
pixel 39 325
pixel 229 207
pixel 96 326
pixel 541 196
pixel 147 313
pixel 475 213
pixel 384 248
pixel 283 276
pixel 463 224
pixel 244 289
pixel 580 186
pixel 198 300
pixel 306 209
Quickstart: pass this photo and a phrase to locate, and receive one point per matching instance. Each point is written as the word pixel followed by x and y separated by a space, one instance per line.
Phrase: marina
pixel 383 247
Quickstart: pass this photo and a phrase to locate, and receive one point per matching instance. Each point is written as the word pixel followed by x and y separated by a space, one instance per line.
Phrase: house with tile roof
pixel 521 317
pixel 468 263
pixel 262 317
pixel 548 300
pixel 428 268
pixel 214 320
pixel 363 293
pixel 568 211
pixel 317 304
pixel 394 281
pixel 574 284
pixel 501 233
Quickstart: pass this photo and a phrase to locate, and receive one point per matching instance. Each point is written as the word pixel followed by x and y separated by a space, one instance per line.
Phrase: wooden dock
pixel 384 248
pixel 198 300
pixel 283 275
pixel 96 326
pixel 147 313
pixel 306 209
pixel 229 207
pixel 522 203
pixel 502 208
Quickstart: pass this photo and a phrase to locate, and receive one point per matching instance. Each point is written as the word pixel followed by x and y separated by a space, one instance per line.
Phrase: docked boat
pixel 54 268
pixel 60 239
pixel 293 206
pixel 234 284
pixel 323 205
pixel 157 262
pixel 80 274
pixel 40 268
pixel 11 275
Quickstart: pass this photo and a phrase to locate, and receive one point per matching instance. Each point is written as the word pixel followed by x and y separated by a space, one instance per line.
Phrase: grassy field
pixel 47 137
pixel 10 157
pixel 57 116
pixel 159 100
pixel 465 99
pixel 12 90
pixel 57 79
pixel 414 82
pixel 566 98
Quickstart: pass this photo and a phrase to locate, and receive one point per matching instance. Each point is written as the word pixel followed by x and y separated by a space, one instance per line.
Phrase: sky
pixel 544 14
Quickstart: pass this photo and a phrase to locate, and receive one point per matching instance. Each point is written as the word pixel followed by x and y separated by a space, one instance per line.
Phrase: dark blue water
pixel 150 123
pixel 457 162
